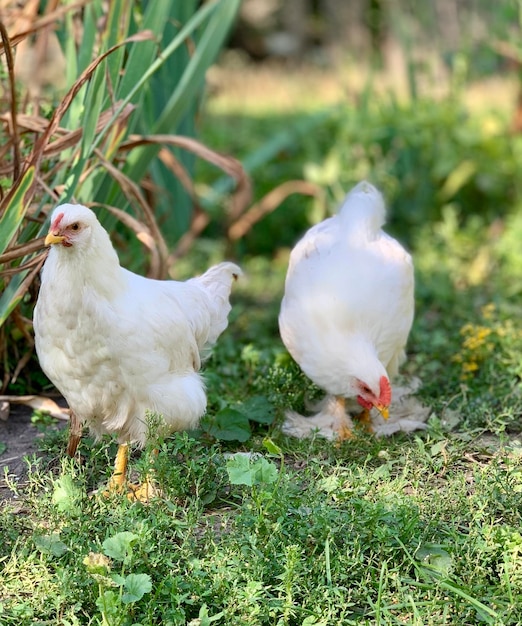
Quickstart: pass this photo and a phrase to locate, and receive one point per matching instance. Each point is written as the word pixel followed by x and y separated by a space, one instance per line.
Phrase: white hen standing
pixel 348 307
pixel 116 344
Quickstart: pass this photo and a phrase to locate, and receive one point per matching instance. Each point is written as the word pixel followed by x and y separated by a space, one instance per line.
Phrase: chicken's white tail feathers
pixel 217 282
pixel 363 208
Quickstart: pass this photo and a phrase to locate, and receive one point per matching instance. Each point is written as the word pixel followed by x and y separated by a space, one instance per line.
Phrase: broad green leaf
pixel 229 425
pixel 118 579
pixel 239 470
pixel 118 21
pixel 329 484
pixel 14 212
pixel 142 57
pixel 438 448
pixel 109 605
pixel 50 544
pixel 136 586
pixel 66 495
pixel 242 470
pixel 190 83
pixel 138 72
pixel 92 14
pixel 265 472
pixel 119 547
pixel 434 557
pixel 77 62
pixel 192 79
pixel 258 409
pixel 94 100
pixel 205 618
pixel 311 620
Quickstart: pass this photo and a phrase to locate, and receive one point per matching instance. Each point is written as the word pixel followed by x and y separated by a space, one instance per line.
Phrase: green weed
pixel 116 606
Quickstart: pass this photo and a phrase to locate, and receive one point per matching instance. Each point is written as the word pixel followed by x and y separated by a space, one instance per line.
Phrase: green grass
pixel 420 529
pixel 423 531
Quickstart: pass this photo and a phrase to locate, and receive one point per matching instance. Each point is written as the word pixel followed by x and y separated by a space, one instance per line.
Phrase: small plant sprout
pixel 117 592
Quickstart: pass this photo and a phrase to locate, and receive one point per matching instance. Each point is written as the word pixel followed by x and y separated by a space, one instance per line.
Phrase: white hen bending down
pixel 348 309
pixel 116 344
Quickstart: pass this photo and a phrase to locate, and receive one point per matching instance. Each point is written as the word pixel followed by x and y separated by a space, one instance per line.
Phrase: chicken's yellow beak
pixel 383 410
pixel 51 239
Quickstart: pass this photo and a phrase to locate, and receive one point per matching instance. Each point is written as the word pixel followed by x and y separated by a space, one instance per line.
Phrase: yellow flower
pixel 467 329
pixel 476 338
pixel 468 368
pixel 488 311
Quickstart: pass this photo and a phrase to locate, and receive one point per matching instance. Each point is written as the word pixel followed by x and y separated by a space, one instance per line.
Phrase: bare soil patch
pixel 18 441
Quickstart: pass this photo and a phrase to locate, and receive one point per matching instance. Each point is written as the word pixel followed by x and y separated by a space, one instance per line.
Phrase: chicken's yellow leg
pixel 118 481
pixel 145 491
pixel 118 478
pixel 365 420
pixel 344 432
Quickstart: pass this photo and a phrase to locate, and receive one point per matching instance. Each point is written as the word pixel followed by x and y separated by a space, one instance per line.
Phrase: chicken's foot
pixel 147 490
pixel 143 493
pixel 364 419
pixel 118 482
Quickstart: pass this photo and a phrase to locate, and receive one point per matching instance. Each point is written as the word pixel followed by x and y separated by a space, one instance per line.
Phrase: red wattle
pixel 364 403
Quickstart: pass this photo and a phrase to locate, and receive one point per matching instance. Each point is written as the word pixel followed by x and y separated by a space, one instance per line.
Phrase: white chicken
pixel 347 311
pixel 116 344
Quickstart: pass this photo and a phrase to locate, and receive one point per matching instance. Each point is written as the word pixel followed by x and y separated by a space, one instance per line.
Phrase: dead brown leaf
pixel 134 194
pixel 240 198
pixel 268 203
pixel 4 410
pixel 15 24
pixel 39 403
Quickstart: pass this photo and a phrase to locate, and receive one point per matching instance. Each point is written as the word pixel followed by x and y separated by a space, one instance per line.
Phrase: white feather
pixel 117 344
pixel 349 298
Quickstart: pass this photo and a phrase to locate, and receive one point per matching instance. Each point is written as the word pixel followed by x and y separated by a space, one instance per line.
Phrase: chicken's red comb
pixel 386 392
pixel 56 224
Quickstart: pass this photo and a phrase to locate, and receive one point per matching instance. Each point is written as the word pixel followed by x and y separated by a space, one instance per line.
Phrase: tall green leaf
pixel 12 295
pixel 14 212
pixel 221 16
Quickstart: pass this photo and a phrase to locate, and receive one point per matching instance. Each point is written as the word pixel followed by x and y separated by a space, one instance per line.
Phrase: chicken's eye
pixel 365 389
pixel 75 226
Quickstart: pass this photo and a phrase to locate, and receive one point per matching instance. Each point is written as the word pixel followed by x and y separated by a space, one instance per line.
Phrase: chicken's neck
pixel 97 269
pixel 346 361
pixel 361 354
